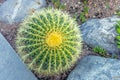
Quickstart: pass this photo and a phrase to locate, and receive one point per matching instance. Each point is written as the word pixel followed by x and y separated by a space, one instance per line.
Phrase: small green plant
pixel 107 5
pixel 75 16
pixel 115 56
pixel 100 51
pixel 117 13
pixel 118 36
pixel 57 4
pixel 85 12
pixel 49 41
pixel 82 17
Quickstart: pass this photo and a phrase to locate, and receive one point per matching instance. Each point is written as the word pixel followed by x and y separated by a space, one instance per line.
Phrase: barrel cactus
pixel 49 41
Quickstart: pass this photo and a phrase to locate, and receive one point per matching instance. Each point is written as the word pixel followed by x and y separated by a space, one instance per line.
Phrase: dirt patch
pixel 9 32
pixel 1 1
pixel 102 8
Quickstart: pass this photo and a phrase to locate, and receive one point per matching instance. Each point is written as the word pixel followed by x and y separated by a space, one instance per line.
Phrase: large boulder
pixel 101 32
pixel 11 67
pixel 96 68
pixel 15 10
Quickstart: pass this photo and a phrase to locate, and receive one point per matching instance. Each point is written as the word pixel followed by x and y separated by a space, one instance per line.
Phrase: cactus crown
pixel 49 41
pixel 54 39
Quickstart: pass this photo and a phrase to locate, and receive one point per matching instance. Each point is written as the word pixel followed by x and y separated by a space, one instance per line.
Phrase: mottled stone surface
pixel 96 68
pixel 11 67
pixel 101 32
pixel 15 10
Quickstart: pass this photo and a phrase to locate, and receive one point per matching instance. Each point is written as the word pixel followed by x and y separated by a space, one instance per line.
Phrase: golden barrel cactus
pixel 49 41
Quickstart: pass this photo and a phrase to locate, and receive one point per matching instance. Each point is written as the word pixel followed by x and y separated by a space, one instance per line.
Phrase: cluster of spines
pixel 37 54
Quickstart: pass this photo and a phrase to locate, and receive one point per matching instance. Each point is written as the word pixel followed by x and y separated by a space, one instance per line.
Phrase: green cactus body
pixel 49 42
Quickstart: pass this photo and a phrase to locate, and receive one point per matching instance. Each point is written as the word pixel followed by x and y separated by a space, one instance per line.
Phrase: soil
pixel 97 9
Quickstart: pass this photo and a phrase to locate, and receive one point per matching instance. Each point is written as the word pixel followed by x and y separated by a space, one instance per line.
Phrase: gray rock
pixel 101 32
pixel 11 67
pixel 96 68
pixel 15 10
